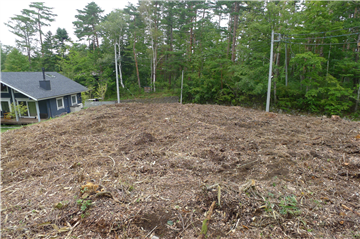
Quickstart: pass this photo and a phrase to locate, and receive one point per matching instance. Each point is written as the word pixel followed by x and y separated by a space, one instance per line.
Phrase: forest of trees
pixel 223 47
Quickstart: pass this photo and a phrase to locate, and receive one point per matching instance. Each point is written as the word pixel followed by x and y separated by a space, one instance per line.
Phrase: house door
pixel 32 109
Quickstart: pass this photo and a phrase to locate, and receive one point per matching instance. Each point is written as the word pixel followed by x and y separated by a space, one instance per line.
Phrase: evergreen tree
pixel 61 37
pixel 41 15
pixel 24 27
pixel 86 23
pixel 49 58
pixel 135 32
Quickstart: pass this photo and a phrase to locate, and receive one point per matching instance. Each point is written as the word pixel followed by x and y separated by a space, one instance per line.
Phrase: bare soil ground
pixel 159 167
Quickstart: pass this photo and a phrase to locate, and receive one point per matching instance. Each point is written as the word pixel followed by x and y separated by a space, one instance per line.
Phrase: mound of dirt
pixel 155 169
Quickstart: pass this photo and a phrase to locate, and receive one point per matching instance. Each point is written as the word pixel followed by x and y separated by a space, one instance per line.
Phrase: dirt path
pixel 161 166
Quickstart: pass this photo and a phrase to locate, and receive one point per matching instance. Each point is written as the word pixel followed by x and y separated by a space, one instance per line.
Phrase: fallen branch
pixel 71 230
pixel 205 224
pixel 10 186
pixel 182 221
pixel 151 231
pixel 112 160
pixel 347 208
pixel 248 163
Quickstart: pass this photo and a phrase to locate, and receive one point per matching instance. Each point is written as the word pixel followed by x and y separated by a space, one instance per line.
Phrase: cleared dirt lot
pixel 159 167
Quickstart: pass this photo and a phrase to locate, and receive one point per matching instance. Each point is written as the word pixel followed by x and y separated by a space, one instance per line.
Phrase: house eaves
pixel 18 90
pixel 56 96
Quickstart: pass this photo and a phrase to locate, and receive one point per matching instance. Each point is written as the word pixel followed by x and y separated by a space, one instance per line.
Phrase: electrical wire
pixel 325 37
pixel 320 44
pixel 301 34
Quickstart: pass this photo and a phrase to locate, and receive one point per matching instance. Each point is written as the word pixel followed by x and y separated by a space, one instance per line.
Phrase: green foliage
pixel 288 206
pixel 101 91
pixel 16 62
pixel 20 109
pixel 2 58
pixel 24 27
pixel 61 205
pixel 204 227
pixel 332 97
pixel 78 66
pixel 87 20
pixel 49 59
pixel 84 204
pixel 41 17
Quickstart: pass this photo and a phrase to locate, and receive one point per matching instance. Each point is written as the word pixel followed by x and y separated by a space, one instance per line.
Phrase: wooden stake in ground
pixel 205 225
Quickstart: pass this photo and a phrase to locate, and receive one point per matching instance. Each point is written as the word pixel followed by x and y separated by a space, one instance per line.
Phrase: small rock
pixel 291 188
pixel 154 237
pixel 335 117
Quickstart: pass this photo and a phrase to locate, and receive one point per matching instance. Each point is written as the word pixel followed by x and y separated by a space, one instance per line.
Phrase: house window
pixel 4 88
pixel 5 106
pixel 30 107
pixel 60 103
pixel 73 100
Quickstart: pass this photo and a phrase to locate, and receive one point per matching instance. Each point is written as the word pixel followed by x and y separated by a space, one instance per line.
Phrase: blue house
pixel 46 95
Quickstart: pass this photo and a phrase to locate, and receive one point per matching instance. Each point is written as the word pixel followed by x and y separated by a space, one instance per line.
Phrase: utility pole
pixel 270 68
pixel 117 77
pixel 182 80
pixel 270 72
pixel 286 66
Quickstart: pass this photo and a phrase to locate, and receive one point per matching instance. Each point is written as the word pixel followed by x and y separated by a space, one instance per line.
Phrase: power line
pixel 325 37
pixel 323 44
pixel 300 34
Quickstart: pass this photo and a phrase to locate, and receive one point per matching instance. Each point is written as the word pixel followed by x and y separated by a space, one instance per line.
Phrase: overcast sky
pixel 65 10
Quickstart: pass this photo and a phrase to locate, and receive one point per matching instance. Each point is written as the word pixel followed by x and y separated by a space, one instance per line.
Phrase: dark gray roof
pixel 28 84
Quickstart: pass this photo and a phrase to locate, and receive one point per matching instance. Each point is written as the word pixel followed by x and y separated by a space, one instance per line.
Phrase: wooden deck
pixel 22 121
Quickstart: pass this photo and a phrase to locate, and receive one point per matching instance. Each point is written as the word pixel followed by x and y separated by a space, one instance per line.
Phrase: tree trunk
pixel 120 72
pixel 117 77
pixel 191 35
pixel 194 40
pixel 153 63
pixel 154 50
pixel 154 66
pixel 28 48
pixel 219 20
pixel 136 63
pixel 41 42
pixel 222 86
pixel 234 31
pixel 229 37
pixel 277 71
pixel 171 49
pixel 95 38
pixel 356 60
pixel 200 45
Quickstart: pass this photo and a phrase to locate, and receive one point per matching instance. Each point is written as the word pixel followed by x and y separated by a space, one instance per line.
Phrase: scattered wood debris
pixel 122 171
